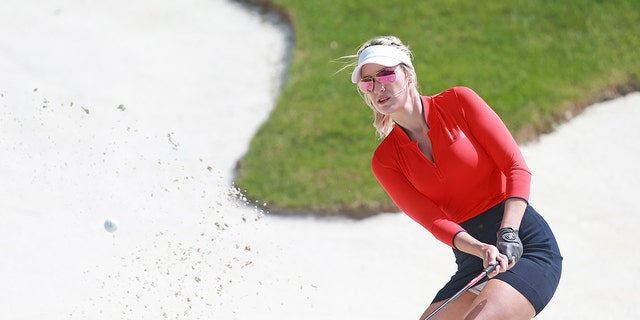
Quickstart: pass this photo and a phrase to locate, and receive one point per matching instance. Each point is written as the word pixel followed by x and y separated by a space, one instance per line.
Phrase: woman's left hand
pixel 509 244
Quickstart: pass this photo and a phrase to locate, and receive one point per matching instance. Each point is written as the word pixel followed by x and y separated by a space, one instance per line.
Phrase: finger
pixel 499 268
pixel 508 253
pixel 490 260
pixel 504 263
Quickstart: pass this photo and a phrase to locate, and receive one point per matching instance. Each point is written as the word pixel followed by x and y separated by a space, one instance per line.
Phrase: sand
pixel 139 112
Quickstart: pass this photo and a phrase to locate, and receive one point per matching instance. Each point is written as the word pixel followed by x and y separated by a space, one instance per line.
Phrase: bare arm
pixel 513 211
pixel 487 252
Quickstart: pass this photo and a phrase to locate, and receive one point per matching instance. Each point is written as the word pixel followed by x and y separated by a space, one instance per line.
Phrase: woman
pixel 450 163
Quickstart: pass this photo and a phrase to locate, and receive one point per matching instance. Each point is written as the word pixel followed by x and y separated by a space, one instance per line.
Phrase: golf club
pixel 471 283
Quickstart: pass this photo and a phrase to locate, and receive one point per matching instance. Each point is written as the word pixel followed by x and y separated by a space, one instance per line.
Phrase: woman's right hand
pixel 489 254
pixel 492 256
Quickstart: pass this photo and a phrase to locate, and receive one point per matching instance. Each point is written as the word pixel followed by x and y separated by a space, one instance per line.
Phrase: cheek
pixel 373 104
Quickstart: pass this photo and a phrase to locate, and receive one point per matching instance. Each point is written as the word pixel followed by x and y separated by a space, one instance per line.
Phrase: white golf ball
pixel 111 225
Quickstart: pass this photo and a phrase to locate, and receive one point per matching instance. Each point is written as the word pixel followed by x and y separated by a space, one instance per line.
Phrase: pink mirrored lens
pixel 384 76
pixel 387 78
pixel 366 86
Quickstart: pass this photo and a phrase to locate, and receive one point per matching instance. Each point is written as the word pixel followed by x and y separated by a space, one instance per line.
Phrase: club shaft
pixel 471 283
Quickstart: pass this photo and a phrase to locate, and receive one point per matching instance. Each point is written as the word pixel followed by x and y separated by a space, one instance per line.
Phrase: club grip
pixel 482 274
pixel 490 268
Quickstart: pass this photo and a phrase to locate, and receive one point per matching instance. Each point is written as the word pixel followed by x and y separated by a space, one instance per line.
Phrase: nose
pixel 377 86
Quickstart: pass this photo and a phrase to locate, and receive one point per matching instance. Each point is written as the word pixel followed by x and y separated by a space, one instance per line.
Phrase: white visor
pixel 383 55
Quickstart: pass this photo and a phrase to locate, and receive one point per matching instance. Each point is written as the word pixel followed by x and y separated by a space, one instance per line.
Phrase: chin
pixel 386 109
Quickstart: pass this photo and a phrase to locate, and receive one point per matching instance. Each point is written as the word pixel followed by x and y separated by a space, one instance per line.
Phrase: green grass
pixel 532 61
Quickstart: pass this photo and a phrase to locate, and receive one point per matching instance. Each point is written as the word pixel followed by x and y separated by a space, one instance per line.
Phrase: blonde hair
pixel 383 123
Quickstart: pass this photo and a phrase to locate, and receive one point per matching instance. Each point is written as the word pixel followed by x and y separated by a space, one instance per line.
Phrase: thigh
pixel 454 310
pixel 499 300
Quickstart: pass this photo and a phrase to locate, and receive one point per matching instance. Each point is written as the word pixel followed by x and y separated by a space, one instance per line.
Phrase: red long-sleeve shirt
pixel 477 164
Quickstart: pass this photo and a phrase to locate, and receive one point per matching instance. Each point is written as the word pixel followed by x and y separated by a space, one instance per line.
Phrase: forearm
pixel 466 243
pixel 513 211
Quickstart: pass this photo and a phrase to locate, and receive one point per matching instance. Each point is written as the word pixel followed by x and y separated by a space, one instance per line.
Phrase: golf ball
pixel 111 225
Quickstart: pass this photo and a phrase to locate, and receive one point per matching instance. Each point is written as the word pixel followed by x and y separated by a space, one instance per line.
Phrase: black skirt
pixel 536 275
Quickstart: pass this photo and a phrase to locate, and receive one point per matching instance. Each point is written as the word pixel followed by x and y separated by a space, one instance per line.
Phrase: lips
pixel 383 99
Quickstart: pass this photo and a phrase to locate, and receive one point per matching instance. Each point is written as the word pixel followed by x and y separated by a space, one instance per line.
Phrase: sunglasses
pixel 384 76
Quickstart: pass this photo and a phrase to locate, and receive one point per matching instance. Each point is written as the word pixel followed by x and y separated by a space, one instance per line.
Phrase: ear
pixel 409 76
